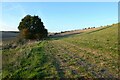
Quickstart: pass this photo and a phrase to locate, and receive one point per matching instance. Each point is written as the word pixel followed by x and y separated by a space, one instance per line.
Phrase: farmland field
pixel 90 54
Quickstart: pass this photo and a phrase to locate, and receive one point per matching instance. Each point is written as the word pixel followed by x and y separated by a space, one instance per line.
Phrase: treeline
pixel 88 28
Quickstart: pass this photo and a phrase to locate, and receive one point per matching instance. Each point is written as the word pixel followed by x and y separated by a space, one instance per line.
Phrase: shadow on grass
pixel 60 71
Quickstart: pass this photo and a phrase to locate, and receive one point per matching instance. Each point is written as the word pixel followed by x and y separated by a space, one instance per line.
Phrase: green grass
pixel 29 61
pixel 91 54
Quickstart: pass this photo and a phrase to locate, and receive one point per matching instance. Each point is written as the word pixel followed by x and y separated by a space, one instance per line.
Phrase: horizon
pixel 66 30
pixel 60 16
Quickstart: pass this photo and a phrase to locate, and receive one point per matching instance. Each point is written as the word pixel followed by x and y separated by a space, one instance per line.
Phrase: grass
pixel 29 61
pixel 91 54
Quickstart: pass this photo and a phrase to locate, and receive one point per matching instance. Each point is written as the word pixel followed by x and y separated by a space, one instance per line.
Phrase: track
pixel 73 61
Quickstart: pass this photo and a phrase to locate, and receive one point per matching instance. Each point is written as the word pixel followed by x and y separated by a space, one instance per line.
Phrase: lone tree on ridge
pixel 31 27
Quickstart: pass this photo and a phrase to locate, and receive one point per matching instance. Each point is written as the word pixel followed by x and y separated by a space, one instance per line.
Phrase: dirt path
pixel 73 61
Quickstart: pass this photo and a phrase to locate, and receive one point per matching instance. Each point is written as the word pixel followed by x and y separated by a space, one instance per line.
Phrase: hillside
pixel 90 54
pixel 9 34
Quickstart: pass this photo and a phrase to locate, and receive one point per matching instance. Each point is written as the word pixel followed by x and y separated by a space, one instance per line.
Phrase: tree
pixel 31 27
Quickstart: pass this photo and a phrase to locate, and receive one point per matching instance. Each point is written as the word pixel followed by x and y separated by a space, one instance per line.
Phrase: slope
pixel 91 54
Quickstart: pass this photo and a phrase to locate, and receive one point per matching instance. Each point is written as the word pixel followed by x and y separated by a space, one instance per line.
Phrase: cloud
pixel 11 16
pixel 14 7
pixel 5 27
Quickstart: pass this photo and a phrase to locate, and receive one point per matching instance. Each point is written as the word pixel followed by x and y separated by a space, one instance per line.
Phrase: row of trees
pixel 88 28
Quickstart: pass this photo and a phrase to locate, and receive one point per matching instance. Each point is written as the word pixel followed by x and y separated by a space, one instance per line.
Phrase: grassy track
pixel 91 54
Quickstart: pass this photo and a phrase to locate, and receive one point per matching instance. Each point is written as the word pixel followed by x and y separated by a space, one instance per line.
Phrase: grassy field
pixel 90 54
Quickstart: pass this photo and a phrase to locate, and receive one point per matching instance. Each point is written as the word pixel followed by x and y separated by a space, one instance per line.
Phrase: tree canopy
pixel 31 27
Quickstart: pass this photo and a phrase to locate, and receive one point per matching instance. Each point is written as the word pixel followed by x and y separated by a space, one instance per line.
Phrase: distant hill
pixel 6 35
pixel 9 34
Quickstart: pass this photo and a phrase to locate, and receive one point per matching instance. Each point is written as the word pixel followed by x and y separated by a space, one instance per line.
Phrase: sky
pixel 60 16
